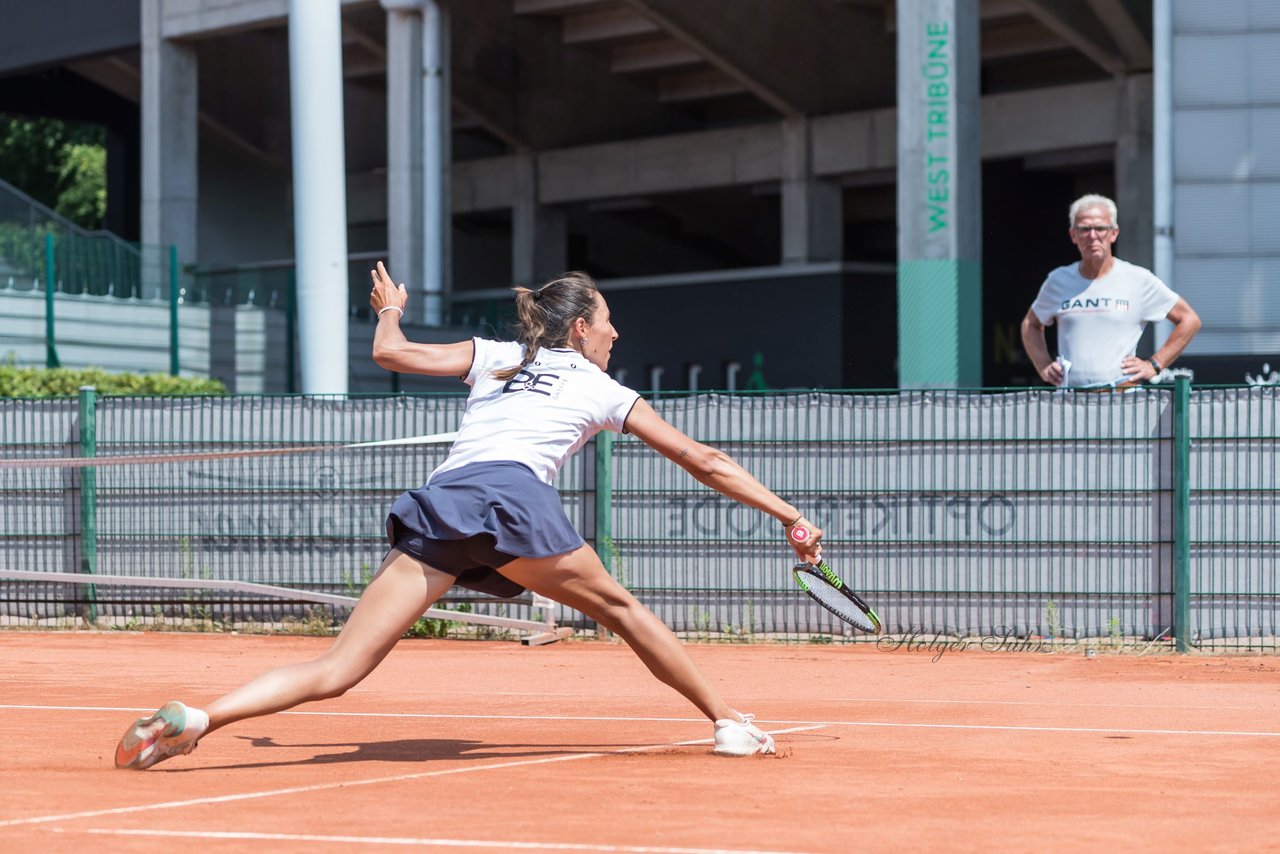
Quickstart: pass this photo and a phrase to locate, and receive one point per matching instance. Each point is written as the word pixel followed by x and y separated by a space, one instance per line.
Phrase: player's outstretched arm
pixel 391 350
pixel 719 471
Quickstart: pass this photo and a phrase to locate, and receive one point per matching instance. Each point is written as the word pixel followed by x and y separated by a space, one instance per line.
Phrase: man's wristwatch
pixel 1155 363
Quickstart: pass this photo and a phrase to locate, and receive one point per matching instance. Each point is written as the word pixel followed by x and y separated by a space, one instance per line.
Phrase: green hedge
pixel 59 382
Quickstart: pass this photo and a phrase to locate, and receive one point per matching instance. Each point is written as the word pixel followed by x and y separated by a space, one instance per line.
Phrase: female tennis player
pixel 489 518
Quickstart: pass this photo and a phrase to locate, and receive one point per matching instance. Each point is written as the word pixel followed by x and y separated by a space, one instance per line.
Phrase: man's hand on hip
pixel 1139 370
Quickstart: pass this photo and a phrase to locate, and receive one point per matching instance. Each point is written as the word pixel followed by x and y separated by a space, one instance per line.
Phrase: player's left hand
pixel 384 291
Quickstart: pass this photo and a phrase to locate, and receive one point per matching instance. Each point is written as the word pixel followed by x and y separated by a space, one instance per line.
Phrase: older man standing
pixel 1101 306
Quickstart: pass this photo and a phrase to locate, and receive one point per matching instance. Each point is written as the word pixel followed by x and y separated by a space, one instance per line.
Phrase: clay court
pixel 490 746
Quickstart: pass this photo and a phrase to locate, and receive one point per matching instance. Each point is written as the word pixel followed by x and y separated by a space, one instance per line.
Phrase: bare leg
pixel 398 595
pixel 579 580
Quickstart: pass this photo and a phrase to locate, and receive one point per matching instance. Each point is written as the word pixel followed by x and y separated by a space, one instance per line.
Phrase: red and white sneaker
pixel 172 731
pixel 741 739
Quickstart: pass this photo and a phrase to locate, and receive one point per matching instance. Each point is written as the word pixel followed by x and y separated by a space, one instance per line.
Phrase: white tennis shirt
pixel 542 415
pixel 1100 320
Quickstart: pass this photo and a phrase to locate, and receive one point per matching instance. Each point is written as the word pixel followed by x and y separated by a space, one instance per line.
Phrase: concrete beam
pixel 119 76
pixel 1018 37
pixel 1072 20
pixel 112 73
pixel 1118 19
pixel 353 35
pixel 1014 124
pixel 661 55
pixel 607 25
pixel 558 7
pixel 698 86
pixel 762 42
pixel 39 35
pixel 515 73
pixel 710 52
pixel 199 19
pixel 484 185
pixel 691 161
pixel 1018 123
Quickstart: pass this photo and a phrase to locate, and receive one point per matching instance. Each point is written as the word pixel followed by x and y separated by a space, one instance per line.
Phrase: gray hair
pixel 1093 200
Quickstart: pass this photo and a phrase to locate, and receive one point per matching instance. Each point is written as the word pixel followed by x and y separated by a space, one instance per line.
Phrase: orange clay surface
pixel 462 745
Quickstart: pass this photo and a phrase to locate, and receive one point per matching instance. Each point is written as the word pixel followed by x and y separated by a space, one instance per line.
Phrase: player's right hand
pixel 806 539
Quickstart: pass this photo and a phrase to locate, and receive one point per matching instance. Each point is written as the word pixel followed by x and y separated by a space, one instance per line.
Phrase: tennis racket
pixel 828 590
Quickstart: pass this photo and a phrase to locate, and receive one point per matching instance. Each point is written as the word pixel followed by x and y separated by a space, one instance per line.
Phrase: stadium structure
pixel 753 182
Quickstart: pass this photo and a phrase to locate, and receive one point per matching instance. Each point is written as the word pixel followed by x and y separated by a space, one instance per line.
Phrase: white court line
pixel 894 700
pixel 1086 729
pixel 398 778
pixel 802 724
pixel 398 840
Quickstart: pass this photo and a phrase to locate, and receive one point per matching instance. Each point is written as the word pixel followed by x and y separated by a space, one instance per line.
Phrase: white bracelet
pixel 391 308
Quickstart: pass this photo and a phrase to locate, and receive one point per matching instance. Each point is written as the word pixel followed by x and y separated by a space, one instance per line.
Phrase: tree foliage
pixel 59 164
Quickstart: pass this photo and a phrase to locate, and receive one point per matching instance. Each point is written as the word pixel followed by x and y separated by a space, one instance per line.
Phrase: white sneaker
pixel 172 731
pixel 741 739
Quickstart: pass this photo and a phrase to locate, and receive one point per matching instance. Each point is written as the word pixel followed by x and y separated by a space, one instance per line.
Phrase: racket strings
pixel 836 601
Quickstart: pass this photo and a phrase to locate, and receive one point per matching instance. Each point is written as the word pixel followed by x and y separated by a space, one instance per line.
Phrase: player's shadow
pixel 403 750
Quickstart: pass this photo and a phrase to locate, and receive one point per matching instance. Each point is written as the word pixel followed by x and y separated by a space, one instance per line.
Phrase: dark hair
pixel 544 318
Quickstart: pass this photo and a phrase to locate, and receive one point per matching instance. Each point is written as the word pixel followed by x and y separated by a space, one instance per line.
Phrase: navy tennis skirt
pixel 470 521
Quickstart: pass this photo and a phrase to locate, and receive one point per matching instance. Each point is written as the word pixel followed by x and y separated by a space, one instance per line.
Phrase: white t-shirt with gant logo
pixel 539 417
pixel 1100 320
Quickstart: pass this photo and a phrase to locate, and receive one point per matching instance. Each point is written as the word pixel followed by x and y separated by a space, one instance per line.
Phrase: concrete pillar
pixel 812 209
pixel 404 149
pixel 419 160
pixel 170 112
pixel 939 195
pixel 539 234
pixel 319 193
pixel 437 162
pixel 1135 184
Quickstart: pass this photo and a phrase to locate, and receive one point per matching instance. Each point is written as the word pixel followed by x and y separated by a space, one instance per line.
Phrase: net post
pixel 173 311
pixel 50 284
pixel 604 499
pixel 89 497
pixel 1182 513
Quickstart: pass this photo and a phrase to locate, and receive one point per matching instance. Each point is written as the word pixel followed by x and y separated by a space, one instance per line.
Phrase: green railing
pixel 1136 521
pixel 41 251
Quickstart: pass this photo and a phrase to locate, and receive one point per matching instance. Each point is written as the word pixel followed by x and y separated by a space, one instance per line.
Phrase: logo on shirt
pixel 1093 304
pixel 543 383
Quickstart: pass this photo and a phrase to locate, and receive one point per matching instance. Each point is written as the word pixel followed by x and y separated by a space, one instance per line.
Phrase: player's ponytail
pixel 544 318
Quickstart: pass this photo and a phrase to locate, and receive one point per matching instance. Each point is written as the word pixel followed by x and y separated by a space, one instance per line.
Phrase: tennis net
pixel 215 512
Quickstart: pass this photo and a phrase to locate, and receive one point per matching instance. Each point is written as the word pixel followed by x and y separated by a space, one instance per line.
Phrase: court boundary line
pixel 615 719
pixel 394 840
pixel 396 778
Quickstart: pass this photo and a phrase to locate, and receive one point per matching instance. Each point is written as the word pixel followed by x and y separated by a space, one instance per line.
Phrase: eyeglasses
pixel 1083 230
